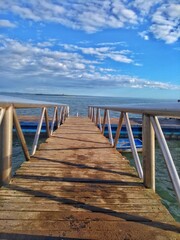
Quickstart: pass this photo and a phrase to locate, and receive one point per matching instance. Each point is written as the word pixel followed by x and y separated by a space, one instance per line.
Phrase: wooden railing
pixel 9 118
pixel 150 128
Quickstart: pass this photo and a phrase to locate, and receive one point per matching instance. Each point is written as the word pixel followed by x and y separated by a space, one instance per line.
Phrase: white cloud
pixel 6 23
pixel 123 13
pixel 159 17
pixel 166 23
pixel 145 6
pixel 45 44
pixel 29 64
pixel 102 52
pixel 106 70
pixel 90 16
pixel 25 12
pixel 138 64
pixel 120 58
pixel 144 35
pixel 112 44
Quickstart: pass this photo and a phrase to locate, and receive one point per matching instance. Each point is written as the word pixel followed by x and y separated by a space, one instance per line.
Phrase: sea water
pixel 79 105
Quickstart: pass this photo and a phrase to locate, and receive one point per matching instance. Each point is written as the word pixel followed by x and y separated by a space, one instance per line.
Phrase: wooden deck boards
pixel 78 187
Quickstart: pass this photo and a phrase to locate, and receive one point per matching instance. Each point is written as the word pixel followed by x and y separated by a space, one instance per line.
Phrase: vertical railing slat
pixel 109 128
pixel 21 135
pixel 36 138
pixel 118 129
pixel 63 113
pixel 104 121
pixel 99 117
pixel 47 123
pixel 53 120
pixel 133 146
pixel 2 112
pixel 60 116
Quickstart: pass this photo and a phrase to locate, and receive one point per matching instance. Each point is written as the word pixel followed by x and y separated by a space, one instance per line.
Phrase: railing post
pixel 57 117
pixel 60 116
pixel 89 112
pixel 63 114
pixel 148 153
pixel 94 115
pixel 92 112
pixel 67 111
pixel 97 116
pixel 6 146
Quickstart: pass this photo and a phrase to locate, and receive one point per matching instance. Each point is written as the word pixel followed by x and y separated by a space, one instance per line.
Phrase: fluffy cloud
pixel 89 16
pixel 161 16
pixel 39 64
pixel 6 23
pixel 144 35
pixel 144 7
pixel 166 23
pixel 103 52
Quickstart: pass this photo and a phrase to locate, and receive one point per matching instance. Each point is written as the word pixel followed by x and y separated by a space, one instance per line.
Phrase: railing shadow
pixel 84 166
pixel 81 205
pixel 18 236
pixel 79 180
pixel 75 148
pixel 79 140
pixel 79 129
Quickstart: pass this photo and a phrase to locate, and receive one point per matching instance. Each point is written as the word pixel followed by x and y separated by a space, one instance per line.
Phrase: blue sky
pixel 107 48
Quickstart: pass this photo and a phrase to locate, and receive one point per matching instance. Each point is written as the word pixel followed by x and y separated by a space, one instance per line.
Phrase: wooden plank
pixel 91 229
pixel 60 216
pixel 78 187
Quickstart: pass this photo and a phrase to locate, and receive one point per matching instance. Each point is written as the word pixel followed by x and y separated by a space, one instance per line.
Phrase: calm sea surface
pixel 79 104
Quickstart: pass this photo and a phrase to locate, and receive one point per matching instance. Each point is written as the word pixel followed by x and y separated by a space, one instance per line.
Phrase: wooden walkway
pixel 78 187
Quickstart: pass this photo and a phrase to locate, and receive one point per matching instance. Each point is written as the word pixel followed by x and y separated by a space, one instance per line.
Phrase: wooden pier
pixel 77 186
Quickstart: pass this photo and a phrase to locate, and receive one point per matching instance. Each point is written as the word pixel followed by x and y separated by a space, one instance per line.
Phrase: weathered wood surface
pixel 78 187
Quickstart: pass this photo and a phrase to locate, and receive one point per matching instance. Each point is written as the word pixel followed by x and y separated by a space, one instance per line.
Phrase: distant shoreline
pixel 76 95
pixel 41 94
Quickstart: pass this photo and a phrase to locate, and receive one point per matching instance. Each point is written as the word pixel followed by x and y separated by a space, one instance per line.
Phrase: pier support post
pixel 6 146
pixel 148 153
pixel 89 112
pixel 94 115
pixel 97 116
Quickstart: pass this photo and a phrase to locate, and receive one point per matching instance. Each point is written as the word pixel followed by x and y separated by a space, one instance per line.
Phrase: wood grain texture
pixel 78 187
